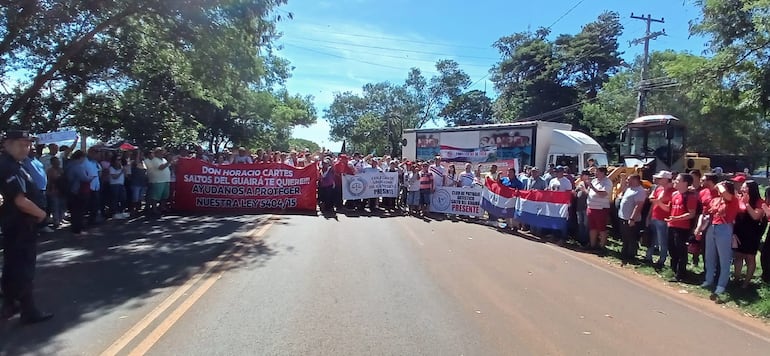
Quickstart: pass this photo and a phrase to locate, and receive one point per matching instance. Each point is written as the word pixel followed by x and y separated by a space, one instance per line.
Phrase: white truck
pixel 532 143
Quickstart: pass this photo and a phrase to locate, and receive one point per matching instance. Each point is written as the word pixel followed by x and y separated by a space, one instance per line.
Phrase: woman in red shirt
pixel 681 215
pixel 750 224
pixel 719 237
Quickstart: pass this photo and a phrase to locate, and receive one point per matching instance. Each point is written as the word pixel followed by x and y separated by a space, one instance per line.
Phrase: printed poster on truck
pixel 472 155
pixel 370 185
pixel 428 146
pixel 457 201
pixel 509 144
pixel 202 186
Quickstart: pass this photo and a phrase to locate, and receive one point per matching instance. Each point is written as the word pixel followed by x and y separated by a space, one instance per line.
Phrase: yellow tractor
pixel 658 142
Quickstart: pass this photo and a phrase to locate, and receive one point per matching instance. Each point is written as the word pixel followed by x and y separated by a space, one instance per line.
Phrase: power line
pixel 565 14
pixel 346 58
pixel 392 48
pixel 397 57
pixel 429 43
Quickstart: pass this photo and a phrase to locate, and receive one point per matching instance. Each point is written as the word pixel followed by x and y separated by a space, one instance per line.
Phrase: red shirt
pixel 706 195
pixel 664 195
pixel 678 209
pixel 743 206
pixel 724 212
pixel 340 168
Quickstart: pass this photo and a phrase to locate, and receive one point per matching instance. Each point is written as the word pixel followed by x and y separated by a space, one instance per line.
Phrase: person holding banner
pixel 326 187
pixel 450 179
pixel 467 178
pixel 439 172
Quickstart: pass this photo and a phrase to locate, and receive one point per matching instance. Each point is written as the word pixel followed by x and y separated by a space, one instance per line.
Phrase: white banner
pixel 457 201
pixel 370 185
pixel 59 136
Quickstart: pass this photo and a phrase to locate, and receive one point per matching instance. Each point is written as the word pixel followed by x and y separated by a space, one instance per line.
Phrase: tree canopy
pixel 164 72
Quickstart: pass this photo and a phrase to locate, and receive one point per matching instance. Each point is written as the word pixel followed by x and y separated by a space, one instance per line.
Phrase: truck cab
pixel 657 142
pixel 575 150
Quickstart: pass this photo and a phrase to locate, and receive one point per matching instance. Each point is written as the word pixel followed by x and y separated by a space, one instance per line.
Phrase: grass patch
pixel 754 300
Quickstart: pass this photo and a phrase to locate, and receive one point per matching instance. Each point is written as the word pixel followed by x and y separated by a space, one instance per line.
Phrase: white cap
pixel 664 175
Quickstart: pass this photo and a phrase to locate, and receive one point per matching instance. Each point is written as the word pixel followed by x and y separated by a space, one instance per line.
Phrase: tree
pixel 301 144
pixel 678 89
pixel 471 108
pixel 78 56
pixel 739 39
pixel 540 78
pixel 376 117
pixel 591 57
pixel 527 78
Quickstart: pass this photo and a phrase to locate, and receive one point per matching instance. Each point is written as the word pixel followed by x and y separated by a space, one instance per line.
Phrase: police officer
pixel 19 216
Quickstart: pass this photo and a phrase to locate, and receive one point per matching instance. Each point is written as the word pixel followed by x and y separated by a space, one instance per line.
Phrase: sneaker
pixel 126 215
pixel 46 230
pixel 118 217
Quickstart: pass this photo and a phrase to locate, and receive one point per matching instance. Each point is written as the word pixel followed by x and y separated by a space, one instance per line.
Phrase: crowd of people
pixel 722 220
pixel 684 216
pixel 681 215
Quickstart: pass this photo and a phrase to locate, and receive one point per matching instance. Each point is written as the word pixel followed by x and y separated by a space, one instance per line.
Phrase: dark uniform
pixel 19 240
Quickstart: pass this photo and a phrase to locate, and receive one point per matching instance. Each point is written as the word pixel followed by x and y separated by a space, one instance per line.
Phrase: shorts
pixel 598 219
pixel 159 191
pixel 424 196
pixel 413 198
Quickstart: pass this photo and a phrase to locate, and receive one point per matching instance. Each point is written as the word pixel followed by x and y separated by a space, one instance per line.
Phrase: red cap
pixel 739 178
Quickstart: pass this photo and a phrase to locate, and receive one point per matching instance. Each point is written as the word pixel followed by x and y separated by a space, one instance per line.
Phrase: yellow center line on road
pixel 234 251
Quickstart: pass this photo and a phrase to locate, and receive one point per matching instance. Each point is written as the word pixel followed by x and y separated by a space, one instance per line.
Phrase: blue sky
pixel 340 45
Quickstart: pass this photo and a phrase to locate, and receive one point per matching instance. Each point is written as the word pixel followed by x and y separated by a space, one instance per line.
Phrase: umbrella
pixel 127 147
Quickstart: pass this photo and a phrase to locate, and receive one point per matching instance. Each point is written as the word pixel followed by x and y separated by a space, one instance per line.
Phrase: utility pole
pixel 646 59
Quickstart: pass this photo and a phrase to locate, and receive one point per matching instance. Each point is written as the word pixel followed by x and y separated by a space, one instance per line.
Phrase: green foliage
pixel 538 75
pixel 471 108
pixel 152 71
pixel 301 144
pixel 374 119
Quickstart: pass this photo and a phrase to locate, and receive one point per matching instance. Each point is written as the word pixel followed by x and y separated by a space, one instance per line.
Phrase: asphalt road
pixel 359 285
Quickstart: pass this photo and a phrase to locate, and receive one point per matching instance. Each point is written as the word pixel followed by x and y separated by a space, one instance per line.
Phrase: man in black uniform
pixel 19 216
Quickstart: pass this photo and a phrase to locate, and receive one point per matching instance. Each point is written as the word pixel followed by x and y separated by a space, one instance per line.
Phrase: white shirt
pixel 466 179
pixel 243 159
pixel 154 173
pixel 439 173
pixel 594 200
pixel 358 166
pixel 560 184
pixel 121 180
pixel 412 181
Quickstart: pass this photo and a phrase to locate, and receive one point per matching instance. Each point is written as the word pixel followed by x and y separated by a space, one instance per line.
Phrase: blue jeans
pixel 138 193
pixel 719 247
pixel 118 198
pixel 660 231
pixel 56 207
pixel 582 230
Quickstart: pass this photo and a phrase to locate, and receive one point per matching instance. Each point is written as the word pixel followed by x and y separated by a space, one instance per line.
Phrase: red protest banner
pixel 202 186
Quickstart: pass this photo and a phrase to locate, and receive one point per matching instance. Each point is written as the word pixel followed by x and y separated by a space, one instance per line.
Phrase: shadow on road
pixel 124 262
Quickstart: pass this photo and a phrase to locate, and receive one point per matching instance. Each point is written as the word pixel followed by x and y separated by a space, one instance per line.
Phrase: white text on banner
pixel 457 201
pixel 370 185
